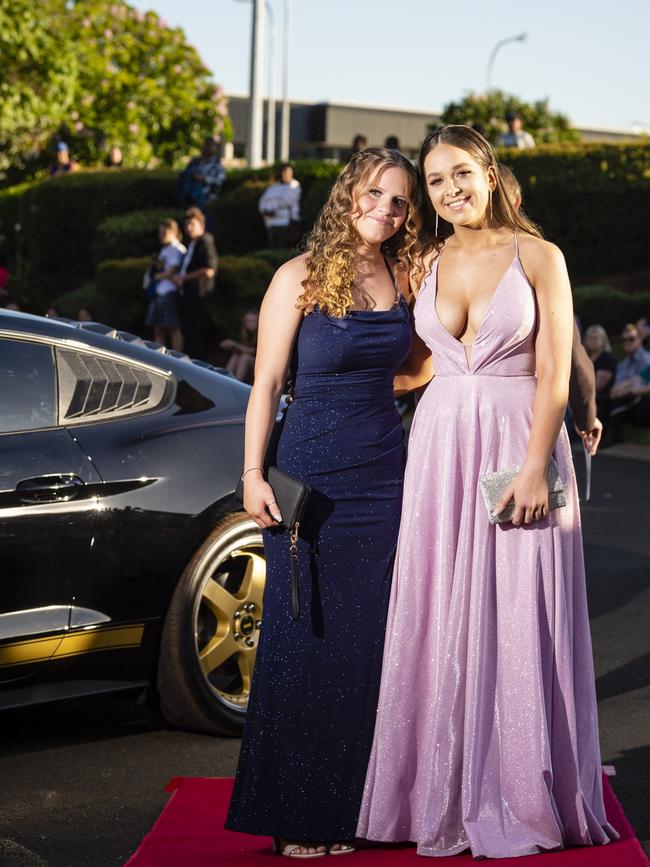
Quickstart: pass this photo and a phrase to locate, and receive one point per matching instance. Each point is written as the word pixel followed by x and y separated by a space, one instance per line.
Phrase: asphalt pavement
pixel 82 782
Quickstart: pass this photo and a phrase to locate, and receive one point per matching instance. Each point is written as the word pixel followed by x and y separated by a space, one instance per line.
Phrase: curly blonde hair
pixel 333 242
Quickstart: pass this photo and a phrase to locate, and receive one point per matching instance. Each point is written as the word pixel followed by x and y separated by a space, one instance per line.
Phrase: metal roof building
pixel 325 130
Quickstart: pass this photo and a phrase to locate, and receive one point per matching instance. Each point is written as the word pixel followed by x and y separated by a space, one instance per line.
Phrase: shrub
pixel 611 308
pixel 591 200
pixel 238 225
pixel 314 199
pixel 243 279
pixel 88 296
pixel 120 299
pixel 274 258
pixel 117 297
pixel 59 217
pixel 306 171
pixel 11 201
pixel 134 234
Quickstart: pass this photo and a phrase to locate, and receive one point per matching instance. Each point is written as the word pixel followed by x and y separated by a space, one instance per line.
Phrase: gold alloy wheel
pixel 229 615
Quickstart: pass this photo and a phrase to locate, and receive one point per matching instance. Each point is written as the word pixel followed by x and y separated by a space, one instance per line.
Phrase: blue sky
pixel 589 58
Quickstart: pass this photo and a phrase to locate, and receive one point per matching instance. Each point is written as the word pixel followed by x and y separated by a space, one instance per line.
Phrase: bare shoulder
pixel 403 281
pixel 539 256
pixel 287 280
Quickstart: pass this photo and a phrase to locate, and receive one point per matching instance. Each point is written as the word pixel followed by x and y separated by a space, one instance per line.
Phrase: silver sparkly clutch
pixel 493 486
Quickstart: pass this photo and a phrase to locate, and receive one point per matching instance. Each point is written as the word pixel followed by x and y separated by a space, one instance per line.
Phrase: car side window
pixel 27 386
pixel 92 387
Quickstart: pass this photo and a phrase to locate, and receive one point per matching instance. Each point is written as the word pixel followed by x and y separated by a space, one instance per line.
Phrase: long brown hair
pixel 502 211
pixel 333 242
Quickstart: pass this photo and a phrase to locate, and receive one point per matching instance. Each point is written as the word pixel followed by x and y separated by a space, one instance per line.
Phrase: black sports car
pixel 125 560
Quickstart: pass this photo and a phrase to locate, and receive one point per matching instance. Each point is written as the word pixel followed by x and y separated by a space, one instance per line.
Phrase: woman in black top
pixel 196 279
pixel 599 351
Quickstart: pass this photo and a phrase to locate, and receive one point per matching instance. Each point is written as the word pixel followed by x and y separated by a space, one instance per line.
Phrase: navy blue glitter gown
pixel 314 694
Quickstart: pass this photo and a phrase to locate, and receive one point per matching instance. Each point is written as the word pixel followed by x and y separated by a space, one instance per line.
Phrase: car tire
pixel 211 630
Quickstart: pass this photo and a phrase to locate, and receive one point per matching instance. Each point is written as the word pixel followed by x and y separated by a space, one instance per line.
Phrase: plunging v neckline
pixel 487 309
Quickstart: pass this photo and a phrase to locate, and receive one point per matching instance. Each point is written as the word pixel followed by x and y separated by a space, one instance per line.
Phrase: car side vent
pixel 93 387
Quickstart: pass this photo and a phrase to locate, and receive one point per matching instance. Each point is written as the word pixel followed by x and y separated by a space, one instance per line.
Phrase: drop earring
pixel 436 232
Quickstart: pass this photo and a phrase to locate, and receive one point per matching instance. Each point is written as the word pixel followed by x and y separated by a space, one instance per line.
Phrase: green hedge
pixel 591 199
pixel 134 234
pixel 609 307
pixel 117 298
pixel 238 226
pixel 58 219
pixel 306 171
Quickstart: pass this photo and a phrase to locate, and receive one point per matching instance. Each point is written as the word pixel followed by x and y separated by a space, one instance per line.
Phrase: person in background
pixel 85 314
pixel 52 312
pixel 480 129
pixel 582 384
pixel 392 142
pixel 64 163
pixel 115 158
pixel 279 206
pixel 630 393
pixel 4 273
pixel 644 330
pixel 599 350
pixel 13 305
pixel 359 143
pixel 201 181
pixel 163 312
pixel 242 358
pixel 195 279
pixel 516 137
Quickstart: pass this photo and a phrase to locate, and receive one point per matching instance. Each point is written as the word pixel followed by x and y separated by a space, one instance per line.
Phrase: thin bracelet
pixel 250 470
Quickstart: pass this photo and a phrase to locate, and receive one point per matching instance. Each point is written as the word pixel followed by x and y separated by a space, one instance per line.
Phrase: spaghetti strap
pixel 516 244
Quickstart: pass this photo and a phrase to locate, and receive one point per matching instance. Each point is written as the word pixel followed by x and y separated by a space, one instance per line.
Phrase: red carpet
pixel 189 833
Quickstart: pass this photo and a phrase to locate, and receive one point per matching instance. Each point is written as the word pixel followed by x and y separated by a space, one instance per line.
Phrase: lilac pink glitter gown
pixel 487 735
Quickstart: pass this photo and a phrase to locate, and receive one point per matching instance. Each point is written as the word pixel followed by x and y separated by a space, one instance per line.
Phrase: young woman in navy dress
pixel 335 319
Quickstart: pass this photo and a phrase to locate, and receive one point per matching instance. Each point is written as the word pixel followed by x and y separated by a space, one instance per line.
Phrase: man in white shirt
pixel 279 205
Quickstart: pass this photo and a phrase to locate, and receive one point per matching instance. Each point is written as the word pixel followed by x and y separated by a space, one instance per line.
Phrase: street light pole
pixel 286 105
pixel 270 121
pixel 520 37
pixel 255 119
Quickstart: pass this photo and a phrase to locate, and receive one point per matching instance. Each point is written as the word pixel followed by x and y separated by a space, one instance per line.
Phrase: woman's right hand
pixel 259 501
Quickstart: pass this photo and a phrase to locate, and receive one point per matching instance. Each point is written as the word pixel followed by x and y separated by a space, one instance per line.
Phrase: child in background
pixel 163 312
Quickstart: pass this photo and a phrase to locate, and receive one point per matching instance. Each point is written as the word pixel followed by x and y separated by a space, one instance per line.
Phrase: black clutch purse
pixel 292 497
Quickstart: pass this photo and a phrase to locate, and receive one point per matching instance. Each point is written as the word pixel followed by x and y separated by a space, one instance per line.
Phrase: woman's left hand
pixel 530 492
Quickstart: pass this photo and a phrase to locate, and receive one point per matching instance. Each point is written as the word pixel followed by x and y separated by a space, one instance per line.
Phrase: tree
pixel 38 71
pixel 489 109
pixel 140 85
pixel 98 72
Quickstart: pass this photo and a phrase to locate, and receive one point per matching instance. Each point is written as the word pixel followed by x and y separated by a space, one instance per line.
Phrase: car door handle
pixel 49 489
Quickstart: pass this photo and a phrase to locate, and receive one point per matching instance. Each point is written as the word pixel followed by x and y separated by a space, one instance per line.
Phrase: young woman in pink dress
pixel 487 735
